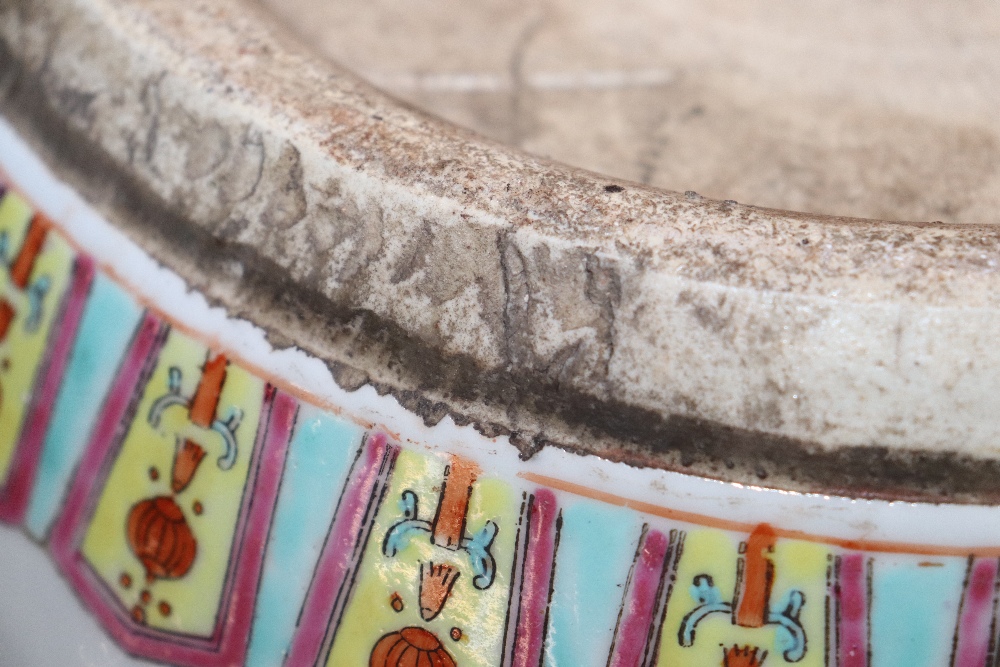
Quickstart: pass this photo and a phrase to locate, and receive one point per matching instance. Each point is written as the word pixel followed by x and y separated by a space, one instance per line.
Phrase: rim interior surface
pixel 883 110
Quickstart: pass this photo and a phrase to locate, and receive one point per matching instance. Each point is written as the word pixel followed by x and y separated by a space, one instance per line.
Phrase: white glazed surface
pixel 50 625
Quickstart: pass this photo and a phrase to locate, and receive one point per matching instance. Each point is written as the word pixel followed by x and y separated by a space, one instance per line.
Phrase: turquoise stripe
pixel 596 548
pixel 319 459
pixel 109 320
pixel 914 608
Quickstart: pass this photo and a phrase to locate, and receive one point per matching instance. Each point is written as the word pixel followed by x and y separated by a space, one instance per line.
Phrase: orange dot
pixel 198 507
pixel 396 602
pixel 125 580
pixel 138 614
pixel 456 633
pixel 5 364
pixel 164 608
pixel 145 597
pixel 154 474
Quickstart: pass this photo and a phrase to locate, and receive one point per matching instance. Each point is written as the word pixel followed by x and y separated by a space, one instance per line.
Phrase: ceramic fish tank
pixel 295 374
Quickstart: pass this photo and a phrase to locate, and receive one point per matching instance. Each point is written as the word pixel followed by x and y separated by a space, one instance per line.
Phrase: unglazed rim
pixel 869 524
pixel 525 298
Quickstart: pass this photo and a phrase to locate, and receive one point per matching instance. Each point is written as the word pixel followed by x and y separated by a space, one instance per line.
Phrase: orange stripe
pixel 20 270
pixel 877 546
pixel 449 523
pixel 206 397
pixel 758 575
pixel 6 317
pixel 186 462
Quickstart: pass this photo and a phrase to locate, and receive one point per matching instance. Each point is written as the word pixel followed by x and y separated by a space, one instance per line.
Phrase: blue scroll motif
pixel 791 634
pixel 226 428
pixel 478 546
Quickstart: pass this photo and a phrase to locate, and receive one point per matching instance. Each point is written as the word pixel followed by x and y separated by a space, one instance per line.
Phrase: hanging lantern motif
pixel 410 646
pixel 159 536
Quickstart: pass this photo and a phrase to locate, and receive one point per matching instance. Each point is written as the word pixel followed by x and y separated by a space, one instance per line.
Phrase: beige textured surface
pixel 466 278
pixel 884 110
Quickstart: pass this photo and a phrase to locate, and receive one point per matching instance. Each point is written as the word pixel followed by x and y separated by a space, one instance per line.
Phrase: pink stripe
pixel 536 580
pixel 256 522
pixel 71 523
pixel 228 644
pixel 852 626
pixel 972 639
pixel 14 496
pixel 630 642
pixel 103 439
pixel 339 556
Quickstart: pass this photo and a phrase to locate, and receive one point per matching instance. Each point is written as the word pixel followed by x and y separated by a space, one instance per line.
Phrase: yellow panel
pixel 210 504
pixel 22 352
pixel 798 565
pixel 479 615
pixel 15 214
pixel 802 566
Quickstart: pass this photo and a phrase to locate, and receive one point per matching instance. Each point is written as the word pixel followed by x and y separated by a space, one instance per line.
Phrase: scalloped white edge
pixel 835 517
